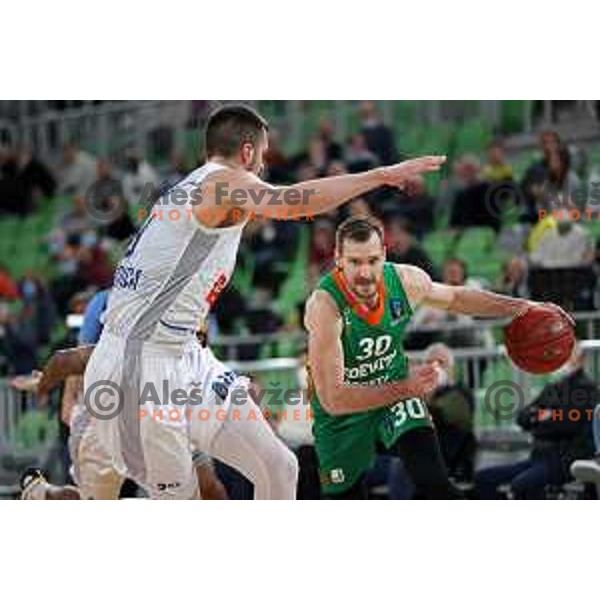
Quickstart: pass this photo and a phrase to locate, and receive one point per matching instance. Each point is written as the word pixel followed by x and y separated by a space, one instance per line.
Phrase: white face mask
pixel 442 374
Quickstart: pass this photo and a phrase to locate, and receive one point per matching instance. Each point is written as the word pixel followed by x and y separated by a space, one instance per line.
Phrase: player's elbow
pixel 332 403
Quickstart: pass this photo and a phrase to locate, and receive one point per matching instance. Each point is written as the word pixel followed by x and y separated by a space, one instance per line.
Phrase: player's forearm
pixel 62 364
pixel 348 399
pixel 323 195
pixel 480 303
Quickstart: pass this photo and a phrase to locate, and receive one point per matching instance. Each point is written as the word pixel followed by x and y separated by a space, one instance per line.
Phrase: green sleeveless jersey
pixel 373 352
pixel 373 355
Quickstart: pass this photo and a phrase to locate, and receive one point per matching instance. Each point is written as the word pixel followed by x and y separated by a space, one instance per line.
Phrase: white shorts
pixel 146 400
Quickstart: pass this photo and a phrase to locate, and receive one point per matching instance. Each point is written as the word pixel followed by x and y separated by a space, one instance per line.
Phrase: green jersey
pixel 373 355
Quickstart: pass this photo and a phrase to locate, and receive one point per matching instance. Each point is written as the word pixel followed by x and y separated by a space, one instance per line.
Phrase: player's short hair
pixel 230 126
pixel 357 229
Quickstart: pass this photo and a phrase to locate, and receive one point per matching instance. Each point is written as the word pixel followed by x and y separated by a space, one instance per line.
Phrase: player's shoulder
pixel 416 282
pixel 320 307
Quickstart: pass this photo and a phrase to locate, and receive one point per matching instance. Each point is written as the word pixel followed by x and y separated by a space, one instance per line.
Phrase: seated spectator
pixel 454 272
pixel 358 156
pixel 470 202
pixel 277 164
pixel 8 287
pixel 140 182
pixel 402 247
pixel 327 135
pixel 78 219
pixel 497 169
pixel 379 137
pixel 81 263
pixel 15 197
pixel 452 407
pixel 17 353
pixel 35 175
pixel 560 421
pixel 78 172
pixel 513 279
pixel 108 198
pixel 322 248
pixel 566 245
pixel 317 155
pixel 560 187
pixel 533 180
pixel 38 312
pixel 415 204
pixel 270 243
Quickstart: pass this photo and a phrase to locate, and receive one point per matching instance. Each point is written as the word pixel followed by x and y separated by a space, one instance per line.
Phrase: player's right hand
pixel 397 175
pixel 423 379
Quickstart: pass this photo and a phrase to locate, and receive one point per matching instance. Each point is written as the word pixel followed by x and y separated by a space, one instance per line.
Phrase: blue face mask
pixel 89 239
pixel 28 289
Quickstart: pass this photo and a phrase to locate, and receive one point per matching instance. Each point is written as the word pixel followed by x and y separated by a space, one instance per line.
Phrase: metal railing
pixel 230 347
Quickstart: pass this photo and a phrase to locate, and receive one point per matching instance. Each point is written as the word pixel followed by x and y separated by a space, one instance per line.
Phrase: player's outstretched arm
pixel 326 362
pixel 458 299
pixel 243 190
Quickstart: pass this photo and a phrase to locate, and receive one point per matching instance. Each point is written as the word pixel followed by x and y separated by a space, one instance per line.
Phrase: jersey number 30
pixel 374 346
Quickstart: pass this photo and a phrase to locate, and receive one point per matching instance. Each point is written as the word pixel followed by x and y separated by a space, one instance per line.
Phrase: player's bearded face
pixel 362 266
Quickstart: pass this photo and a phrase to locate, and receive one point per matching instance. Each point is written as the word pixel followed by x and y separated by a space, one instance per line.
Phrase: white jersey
pixel 173 269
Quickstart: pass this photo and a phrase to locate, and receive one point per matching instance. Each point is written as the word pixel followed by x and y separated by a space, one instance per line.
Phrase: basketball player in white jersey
pixel 171 274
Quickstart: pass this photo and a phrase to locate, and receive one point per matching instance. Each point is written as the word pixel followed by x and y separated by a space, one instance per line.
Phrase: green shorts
pixel 346 445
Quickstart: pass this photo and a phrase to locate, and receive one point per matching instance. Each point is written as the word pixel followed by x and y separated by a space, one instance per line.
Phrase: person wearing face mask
pixel 560 421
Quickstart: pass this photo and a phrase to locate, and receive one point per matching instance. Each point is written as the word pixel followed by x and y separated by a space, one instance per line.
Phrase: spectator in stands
pixel 470 205
pixel 278 165
pixel 82 263
pixel 561 184
pixel 513 279
pixel 560 420
pixel 378 136
pixel 270 243
pixel 402 247
pixel 108 198
pixel 78 173
pixel 454 272
pixel 140 181
pixel 416 205
pixel 78 219
pixel 535 176
pixel 327 135
pixel 321 257
pixel 15 198
pixel 8 287
pixel 177 170
pixel 17 354
pixel 497 169
pixel 35 175
pixel 358 156
pixel 452 407
pixel 317 155
pixel 564 246
pixel 38 313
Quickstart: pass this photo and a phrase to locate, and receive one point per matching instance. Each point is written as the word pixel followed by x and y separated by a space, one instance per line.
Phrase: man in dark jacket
pixel 560 421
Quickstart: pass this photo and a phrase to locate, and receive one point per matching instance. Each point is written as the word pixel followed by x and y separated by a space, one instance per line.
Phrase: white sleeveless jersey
pixel 173 270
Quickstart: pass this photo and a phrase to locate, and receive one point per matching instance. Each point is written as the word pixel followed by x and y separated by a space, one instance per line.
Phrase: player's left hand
pixel 27 383
pixel 397 175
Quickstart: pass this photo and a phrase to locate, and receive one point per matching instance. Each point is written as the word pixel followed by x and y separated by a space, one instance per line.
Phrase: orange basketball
pixel 540 341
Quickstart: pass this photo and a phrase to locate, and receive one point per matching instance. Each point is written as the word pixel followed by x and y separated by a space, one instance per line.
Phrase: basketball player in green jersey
pixel 364 393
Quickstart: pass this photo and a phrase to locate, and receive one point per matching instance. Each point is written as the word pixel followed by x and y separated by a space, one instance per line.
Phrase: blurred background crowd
pixel 515 210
